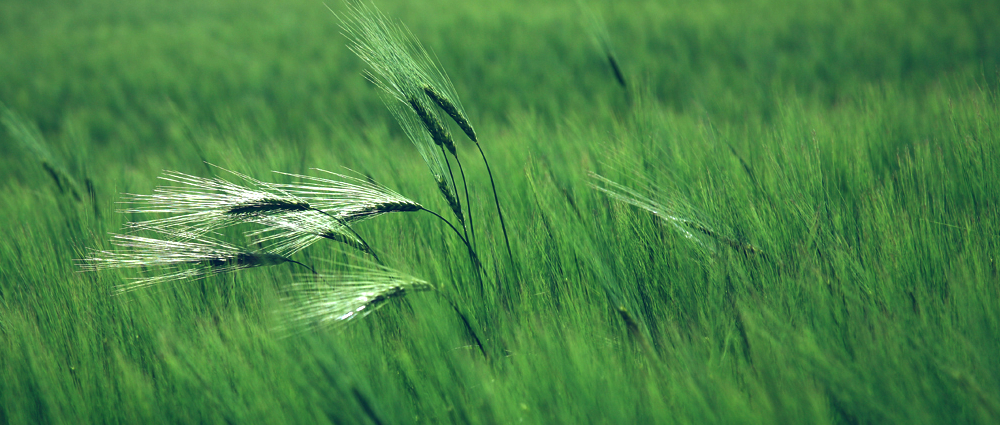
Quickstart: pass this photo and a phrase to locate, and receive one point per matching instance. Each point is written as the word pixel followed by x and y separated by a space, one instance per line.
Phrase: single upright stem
pixel 496 199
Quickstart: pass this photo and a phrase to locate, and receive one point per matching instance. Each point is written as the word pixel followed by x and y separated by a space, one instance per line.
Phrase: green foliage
pixel 856 145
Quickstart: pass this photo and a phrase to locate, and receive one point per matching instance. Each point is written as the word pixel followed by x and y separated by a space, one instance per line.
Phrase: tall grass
pixel 404 70
pixel 864 172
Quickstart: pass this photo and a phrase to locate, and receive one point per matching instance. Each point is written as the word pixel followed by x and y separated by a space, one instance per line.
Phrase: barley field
pixel 496 212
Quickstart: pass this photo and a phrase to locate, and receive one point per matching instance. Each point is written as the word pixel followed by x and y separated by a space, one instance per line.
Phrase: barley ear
pixel 333 299
pixel 452 111
pixel 617 70
pixel 433 125
pixel 452 200
pixel 31 139
pixel 264 206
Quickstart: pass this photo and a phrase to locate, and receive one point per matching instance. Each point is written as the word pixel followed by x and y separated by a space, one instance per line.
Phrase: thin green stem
pixel 468 204
pixel 472 252
pixel 303 265
pixel 468 325
pixel 454 186
pixel 496 199
pixel 342 222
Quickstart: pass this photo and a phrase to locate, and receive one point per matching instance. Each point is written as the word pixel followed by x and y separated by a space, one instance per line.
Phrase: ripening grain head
pixel 198 205
pixel 180 259
pixel 402 68
pixel 348 198
pixel 699 233
pixel 332 299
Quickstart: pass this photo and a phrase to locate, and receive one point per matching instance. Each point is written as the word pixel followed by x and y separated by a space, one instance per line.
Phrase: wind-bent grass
pixel 30 139
pixel 688 228
pixel 190 259
pixel 296 215
pixel 333 299
pixel 431 153
pixel 401 67
pixel 349 198
pixel 199 205
pixel 671 211
pixel 598 31
pixel 292 218
pixel 330 300
pixel 874 190
pixel 290 233
pixel 404 70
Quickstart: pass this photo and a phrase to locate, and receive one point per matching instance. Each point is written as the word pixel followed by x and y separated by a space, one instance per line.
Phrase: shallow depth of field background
pixel 856 143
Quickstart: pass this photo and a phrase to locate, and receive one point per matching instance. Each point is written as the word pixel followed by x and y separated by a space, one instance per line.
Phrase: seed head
pixel 433 125
pixel 183 259
pixel 449 108
pixel 348 198
pixel 449 195
pixel 332 299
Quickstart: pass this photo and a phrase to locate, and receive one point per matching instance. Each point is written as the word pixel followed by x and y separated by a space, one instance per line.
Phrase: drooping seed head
pixel 421 139
pixel 348 240
pixel 200 205
pixel 433 125
pixel 348 198
pixel 183 259
pixel 452 199
pixel 268 206
pixel 290 233
pixel 380 208
pixel 338 298
pixel 245 259
pixel 669 211
pixel 449 108
pixel 617 70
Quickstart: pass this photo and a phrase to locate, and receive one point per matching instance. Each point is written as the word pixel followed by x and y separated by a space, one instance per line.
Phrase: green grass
pixel 857 145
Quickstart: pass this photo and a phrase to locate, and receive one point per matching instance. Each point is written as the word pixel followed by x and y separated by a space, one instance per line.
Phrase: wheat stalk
pixel 290 233
pixel 453 109
pixel 666 212
pixel 201 205
pixel 401 67
pixel 433 156
pixel 351 199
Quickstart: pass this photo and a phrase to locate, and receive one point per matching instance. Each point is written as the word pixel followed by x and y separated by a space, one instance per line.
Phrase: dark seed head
pixel 381 208
pixel 434 127
pixel 617 70
pixel 245 259
pixel 268 205
pixel 452 200
pixel 452 111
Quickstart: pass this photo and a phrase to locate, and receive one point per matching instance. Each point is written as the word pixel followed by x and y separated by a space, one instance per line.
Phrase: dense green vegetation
pixel 855 146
